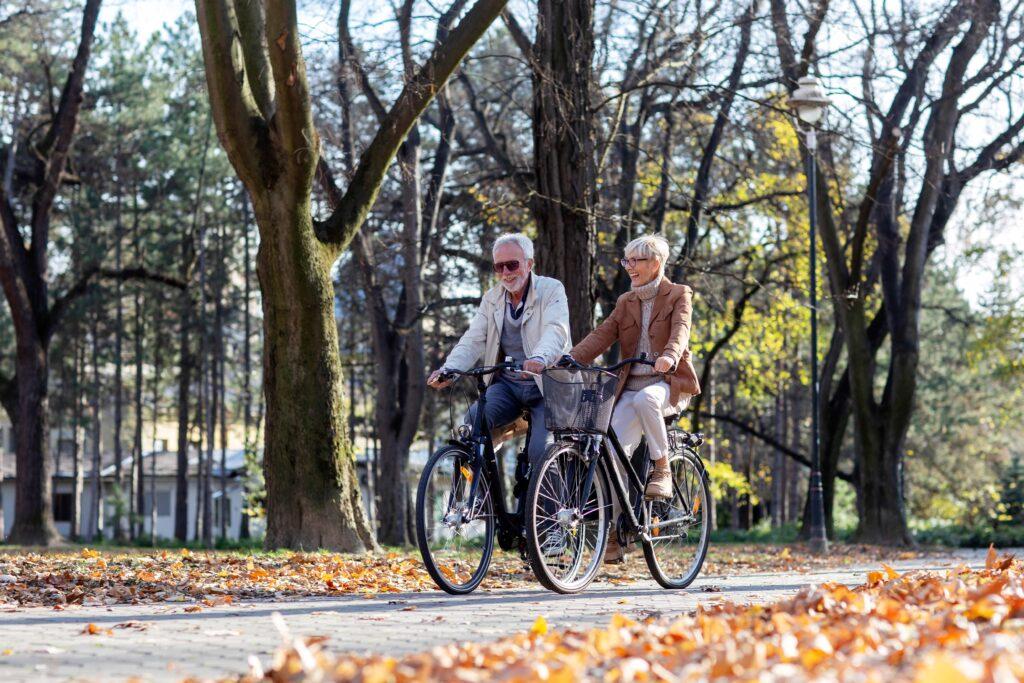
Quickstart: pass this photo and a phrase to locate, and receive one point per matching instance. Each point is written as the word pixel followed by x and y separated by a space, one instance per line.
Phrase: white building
pixel 160 476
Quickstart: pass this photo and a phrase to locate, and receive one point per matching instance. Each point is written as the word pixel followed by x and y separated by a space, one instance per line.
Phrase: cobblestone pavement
pixel 166 643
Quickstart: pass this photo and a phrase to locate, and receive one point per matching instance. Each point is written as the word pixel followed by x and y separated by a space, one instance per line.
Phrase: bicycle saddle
pixel 518 427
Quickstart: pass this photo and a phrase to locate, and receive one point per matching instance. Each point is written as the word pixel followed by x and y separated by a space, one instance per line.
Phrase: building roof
pixel 166 463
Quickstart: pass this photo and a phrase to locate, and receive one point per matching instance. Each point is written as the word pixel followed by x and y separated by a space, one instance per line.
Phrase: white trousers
pixel 639 414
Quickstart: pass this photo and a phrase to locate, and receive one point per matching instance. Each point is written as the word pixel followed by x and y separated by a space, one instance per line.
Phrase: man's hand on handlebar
pixel 565 361
pixel 438 379
pixel 533 366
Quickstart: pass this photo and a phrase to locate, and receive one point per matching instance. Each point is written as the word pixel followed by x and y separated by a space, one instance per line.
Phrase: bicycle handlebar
pixel 452 373
pixel 570 361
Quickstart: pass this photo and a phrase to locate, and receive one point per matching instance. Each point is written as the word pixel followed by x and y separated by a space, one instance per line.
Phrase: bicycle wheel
pixel 680 526
pixel 456 542
pixel 566 535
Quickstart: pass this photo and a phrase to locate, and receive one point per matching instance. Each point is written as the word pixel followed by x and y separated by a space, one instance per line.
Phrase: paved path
pixel 167 644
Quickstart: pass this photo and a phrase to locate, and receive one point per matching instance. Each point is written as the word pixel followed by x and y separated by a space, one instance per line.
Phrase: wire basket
pixel 578 400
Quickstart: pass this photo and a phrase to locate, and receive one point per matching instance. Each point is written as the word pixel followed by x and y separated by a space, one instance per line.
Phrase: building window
pixel 225 505
pixel 163 504
pixel 62 506
pixel 66 448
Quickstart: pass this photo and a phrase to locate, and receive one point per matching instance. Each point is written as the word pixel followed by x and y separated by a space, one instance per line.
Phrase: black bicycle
pixel 569 505
pixel 460 502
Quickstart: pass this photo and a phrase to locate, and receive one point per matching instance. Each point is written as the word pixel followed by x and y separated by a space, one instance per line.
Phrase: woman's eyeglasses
pixel 506 266
pixel 631 262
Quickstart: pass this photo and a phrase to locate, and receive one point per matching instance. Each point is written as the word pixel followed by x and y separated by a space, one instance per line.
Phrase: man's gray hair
pixel 649 246
pixel 517 238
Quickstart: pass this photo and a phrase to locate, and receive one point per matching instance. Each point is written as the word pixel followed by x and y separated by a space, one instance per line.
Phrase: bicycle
pixel 460 501
pixel 568 505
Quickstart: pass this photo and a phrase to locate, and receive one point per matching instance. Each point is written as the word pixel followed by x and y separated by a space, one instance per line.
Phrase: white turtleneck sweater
pixel 641 376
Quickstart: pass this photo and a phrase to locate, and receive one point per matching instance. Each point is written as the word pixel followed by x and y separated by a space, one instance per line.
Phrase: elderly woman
pixel 653 318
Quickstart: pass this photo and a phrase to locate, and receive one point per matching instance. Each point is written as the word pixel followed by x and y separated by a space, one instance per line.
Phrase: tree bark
pixel 261 103
pixel 121 495
pixel 24 278
pixel 94 528
pixel 139 476
pixel 78 446
pixel 33 511
pixel 185 363
pixel 312 500
pixel 563 153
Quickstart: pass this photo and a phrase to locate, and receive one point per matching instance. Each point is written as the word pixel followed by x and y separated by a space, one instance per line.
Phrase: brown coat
pixel 669 331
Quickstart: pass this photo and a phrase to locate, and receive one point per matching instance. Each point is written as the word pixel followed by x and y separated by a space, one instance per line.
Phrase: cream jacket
pixel 545 327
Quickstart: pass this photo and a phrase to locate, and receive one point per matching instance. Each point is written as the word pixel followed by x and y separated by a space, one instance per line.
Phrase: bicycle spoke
pixel 457 535
pixel 567 528
pixel 679 526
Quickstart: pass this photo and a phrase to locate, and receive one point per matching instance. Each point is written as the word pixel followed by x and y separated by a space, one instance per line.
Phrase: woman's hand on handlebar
pixel 566 361
pixel 663 365
pixel 439 379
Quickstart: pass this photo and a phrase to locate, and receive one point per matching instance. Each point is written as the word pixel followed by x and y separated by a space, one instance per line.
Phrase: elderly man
pixel 524 317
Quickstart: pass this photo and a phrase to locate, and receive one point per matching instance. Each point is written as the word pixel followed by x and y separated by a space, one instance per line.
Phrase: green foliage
pixel 1011 495
pixel 762 532
pixel 961 536
pixel 968 417
pixel 724 479
pixel 255 488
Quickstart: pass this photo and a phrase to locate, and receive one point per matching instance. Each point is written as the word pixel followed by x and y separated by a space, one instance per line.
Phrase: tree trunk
pixel 77 446
pixel 200 423
pixel 184 387
pixel 95 526
pixel 208 378
pixel 779 461
pixel 140 474
pixel 312 488
pixel 33 513
pixel 222 389
pixel 122 496
pixel 157 368
pixel 247 443
pixel 265 124
pixel 563 153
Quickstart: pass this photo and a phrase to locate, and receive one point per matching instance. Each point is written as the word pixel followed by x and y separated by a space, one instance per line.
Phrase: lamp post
pixel 810 102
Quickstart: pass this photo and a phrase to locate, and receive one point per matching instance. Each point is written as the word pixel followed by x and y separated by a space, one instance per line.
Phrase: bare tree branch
pixel 417 94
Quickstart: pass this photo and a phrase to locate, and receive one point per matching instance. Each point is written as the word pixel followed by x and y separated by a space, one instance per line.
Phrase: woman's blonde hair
pixel 649 246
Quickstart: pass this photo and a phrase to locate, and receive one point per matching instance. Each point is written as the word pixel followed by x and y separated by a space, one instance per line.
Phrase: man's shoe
pixel 555 544
pixel 660 484
pixel 613 552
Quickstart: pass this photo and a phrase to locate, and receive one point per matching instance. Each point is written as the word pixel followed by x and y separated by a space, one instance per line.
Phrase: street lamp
pixel 810 102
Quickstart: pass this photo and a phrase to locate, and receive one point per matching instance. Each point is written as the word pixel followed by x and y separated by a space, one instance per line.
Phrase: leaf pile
pixel 739 559
pixel 965 625
pixel 94 578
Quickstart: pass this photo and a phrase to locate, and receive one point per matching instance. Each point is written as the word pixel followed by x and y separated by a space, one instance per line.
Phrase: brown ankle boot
pixel 613 553
pixel 660 483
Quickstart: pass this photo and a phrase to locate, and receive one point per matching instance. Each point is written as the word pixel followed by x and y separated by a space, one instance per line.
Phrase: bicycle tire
pixel 540 524
pixel 437 569
pixel 698 485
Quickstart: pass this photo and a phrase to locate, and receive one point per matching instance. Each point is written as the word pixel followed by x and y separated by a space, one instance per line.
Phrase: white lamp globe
pixel 809 100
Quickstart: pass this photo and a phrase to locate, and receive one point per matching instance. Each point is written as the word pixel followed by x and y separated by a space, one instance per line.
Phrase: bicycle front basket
pixel 578 400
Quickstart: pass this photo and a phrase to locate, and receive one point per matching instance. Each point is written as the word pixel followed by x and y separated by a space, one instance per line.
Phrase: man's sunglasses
pixel 506 266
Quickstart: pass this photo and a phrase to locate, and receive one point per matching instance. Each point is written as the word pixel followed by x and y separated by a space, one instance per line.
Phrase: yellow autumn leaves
pixel 960 626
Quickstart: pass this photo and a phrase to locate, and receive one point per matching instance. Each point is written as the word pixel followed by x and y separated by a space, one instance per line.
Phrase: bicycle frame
pixel 601 442
pixel 482 451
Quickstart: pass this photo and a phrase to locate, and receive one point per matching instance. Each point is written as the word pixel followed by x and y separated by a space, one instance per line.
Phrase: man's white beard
pixel 515 285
